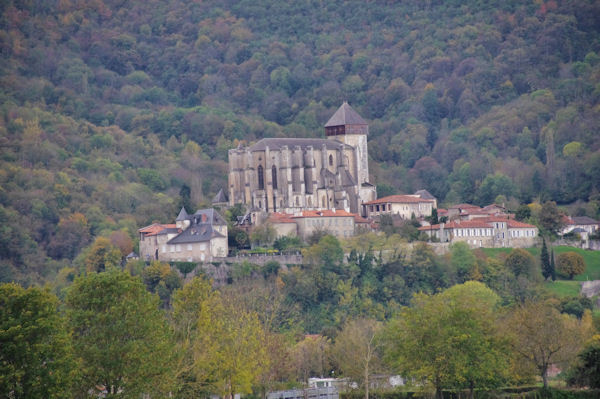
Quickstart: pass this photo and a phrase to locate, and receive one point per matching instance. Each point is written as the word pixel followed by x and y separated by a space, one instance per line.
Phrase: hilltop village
pixel 297 187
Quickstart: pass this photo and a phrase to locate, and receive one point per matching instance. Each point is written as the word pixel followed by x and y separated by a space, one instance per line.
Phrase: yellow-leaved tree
pixel 223 344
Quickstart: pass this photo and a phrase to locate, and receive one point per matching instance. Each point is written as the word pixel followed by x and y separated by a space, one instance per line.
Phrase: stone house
pixel 490 232
pixel 200 237
pixel 399 205
pixel 579 224
pixel 303 224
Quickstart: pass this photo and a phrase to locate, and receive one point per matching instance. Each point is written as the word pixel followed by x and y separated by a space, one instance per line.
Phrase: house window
pixel 178 248
pixel 261 178
pixel 164 249
pixel 330 160
pixel 189 247
pixel 274 176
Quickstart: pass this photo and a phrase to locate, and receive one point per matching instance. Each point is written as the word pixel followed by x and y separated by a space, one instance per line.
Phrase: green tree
pixel 550 218
pixel 263 235
pixel 547 271
pixel 523 212
pixel 586 371
pixel 449 340
pixel 357 351
pixel 120 335
pixel 521 263
pixel 463 261
pixel 192 308
pixel 230 349
pixel 570 263
pixel 541 336
pixel 35 353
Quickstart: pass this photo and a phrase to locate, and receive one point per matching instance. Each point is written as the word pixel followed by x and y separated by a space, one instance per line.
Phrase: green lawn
pixel 561 288
pixel 592 259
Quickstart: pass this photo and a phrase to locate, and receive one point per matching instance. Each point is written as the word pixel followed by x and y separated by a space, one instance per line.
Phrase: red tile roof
pixel 278 217
pixel 478 223
pixel 324 213
pixel 463 206
pixel 399 199
pixel 155 228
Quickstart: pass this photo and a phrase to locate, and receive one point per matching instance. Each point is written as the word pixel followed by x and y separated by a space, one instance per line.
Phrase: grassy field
pixel 592 259
pixel 560 287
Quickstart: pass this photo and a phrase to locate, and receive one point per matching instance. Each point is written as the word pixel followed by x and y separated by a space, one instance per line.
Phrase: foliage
pixel 547 270
pixel 357 351
pixel 521 262
pixel 120 335
pixel 191 304
pixel 551 218
pixel 450 340
pixel 161 279
pixel 586 372
pixel 542 336
pixel 111 112
pixel 570 264
pixel 35 352
pixel 102 256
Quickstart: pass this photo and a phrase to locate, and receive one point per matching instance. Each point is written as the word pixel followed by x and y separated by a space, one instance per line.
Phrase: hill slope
pixel 110 108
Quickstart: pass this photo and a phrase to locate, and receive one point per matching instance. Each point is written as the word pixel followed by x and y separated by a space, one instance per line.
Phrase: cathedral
pixel 291 175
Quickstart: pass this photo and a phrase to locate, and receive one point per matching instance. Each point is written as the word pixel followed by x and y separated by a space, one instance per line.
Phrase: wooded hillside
pixel 115 112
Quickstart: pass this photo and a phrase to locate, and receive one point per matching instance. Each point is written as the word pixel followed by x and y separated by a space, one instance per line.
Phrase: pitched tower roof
pixel 183 215
pixel 345 115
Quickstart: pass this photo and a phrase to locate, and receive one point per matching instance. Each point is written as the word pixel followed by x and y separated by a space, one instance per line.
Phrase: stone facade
pixel 294 174
pixel 200 237
pixel 399 205
pixel 491 232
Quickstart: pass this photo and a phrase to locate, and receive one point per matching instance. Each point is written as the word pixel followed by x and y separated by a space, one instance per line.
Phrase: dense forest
pixel 114 112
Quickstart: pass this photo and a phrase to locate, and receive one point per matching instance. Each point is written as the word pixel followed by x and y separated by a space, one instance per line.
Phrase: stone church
pixel 291 175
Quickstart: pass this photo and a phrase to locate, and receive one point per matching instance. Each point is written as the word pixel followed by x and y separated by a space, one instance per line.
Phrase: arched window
pixel 274 177
pixel 330 160
pixel 261 178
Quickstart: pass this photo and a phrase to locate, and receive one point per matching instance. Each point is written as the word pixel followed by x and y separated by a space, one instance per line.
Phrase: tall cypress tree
pixel 545 260
pixel 552 265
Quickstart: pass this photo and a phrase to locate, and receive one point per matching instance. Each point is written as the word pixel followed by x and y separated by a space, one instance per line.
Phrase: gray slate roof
pixel 582 220
pixel 345 115
pixel 183 215
pixel 196 233
pixel 220 197
pixel 424 194
pixel 291 143
pixel 211 216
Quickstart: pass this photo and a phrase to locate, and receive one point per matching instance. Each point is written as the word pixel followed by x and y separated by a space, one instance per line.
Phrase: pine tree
pixel 545 260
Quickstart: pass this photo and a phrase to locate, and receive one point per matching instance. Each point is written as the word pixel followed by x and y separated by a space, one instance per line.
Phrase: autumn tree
pixel 570 263
pixel 522 263
pixel 541 336
pixel 357 351
pixel 192 306
pixel 449 340
pixel 311 357
pixel 102 256
pixel 120 335
pixel 35 352
pixel 223 345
